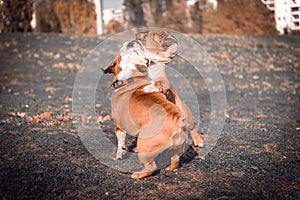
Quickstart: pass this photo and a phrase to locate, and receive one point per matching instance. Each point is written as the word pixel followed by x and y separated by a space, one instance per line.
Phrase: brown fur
pixel 149 116
pixel 155 43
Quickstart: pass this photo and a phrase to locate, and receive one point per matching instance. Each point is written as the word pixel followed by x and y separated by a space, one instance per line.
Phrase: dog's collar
pixel 120 83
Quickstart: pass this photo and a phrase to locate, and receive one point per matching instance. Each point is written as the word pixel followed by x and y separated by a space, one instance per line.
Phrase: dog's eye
pixel 162 35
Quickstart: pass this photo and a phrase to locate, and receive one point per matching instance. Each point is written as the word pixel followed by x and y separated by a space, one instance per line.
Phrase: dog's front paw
pixel 151 88
pixel 138 175
pixel 120 154
pixel 198 141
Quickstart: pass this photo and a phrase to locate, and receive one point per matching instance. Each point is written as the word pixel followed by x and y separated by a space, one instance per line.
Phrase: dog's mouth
pixel 170 45
pixel 169 41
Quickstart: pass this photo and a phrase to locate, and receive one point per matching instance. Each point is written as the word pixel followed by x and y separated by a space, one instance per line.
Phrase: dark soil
pixel 256 157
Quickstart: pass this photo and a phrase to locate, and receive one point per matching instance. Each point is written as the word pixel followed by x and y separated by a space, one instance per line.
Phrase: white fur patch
pixel 130 57
pixel 156 71
pixel 121 137
pixel 151 88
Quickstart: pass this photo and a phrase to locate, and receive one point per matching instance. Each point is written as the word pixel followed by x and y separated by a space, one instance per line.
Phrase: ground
pixel 256 157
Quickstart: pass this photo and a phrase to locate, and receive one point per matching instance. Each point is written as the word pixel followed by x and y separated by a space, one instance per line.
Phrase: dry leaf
pixel 18 114
pixel 82 118
pixel 237 174
pixel 11 114
pixel 106 118
pixel 100 118
pixel 28 118
pixel 51 90
pixel 261 116
pixel 46 115
pixel 35 120
pixel 21 114
pixel 57 56
pixel 98 105
pixel 66 118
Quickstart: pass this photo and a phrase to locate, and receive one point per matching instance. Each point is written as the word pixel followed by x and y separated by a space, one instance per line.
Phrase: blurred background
pixel 188 16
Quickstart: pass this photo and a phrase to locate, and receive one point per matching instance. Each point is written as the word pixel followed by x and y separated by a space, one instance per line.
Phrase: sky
pixel 108 4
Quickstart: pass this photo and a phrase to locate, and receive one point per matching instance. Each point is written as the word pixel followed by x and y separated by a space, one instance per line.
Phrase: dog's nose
pixel 130 44
pixel 169 42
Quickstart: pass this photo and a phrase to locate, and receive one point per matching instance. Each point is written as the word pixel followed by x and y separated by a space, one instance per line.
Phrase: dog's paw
pixel 198 141
pixel 138 175
pixel 134 150
pixel 172 168
pixel 120 154
pixel 151 88
pixel 199 144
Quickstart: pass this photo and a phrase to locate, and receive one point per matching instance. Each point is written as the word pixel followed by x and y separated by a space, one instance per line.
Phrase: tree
pixel 15 16
pixel 134 14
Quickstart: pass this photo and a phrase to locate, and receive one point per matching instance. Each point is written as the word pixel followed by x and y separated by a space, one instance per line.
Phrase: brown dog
pixel 159 48
pixel 148 115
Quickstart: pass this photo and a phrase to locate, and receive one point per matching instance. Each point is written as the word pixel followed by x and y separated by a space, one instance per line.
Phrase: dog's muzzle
pixel 171 40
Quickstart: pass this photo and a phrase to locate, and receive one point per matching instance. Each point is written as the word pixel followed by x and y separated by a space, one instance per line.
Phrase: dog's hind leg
pixel 175 153
pixel 198 141
pixel 149 165
pixel 174 163
pixel 121 137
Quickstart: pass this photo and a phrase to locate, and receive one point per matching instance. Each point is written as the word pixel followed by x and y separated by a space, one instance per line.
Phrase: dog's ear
pixel 112 67
pixel 141 35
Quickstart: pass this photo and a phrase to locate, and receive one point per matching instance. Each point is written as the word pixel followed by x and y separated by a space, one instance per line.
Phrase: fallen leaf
pixel 13 82
pixel 51 90
pixel 28 118
pixel 59 65
pixel 106 118
pixel 98 105
pixel 18 114
pixel 67 98
pixel 66 118
pixel 35 120
pixel 57 56
pixel 21 114
pixel 100 118
pixel 237 174
pixel 241 120
pixel 11 114
pixel 261 116
pixel 46 115
pixel 82 118
pixel 262 128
